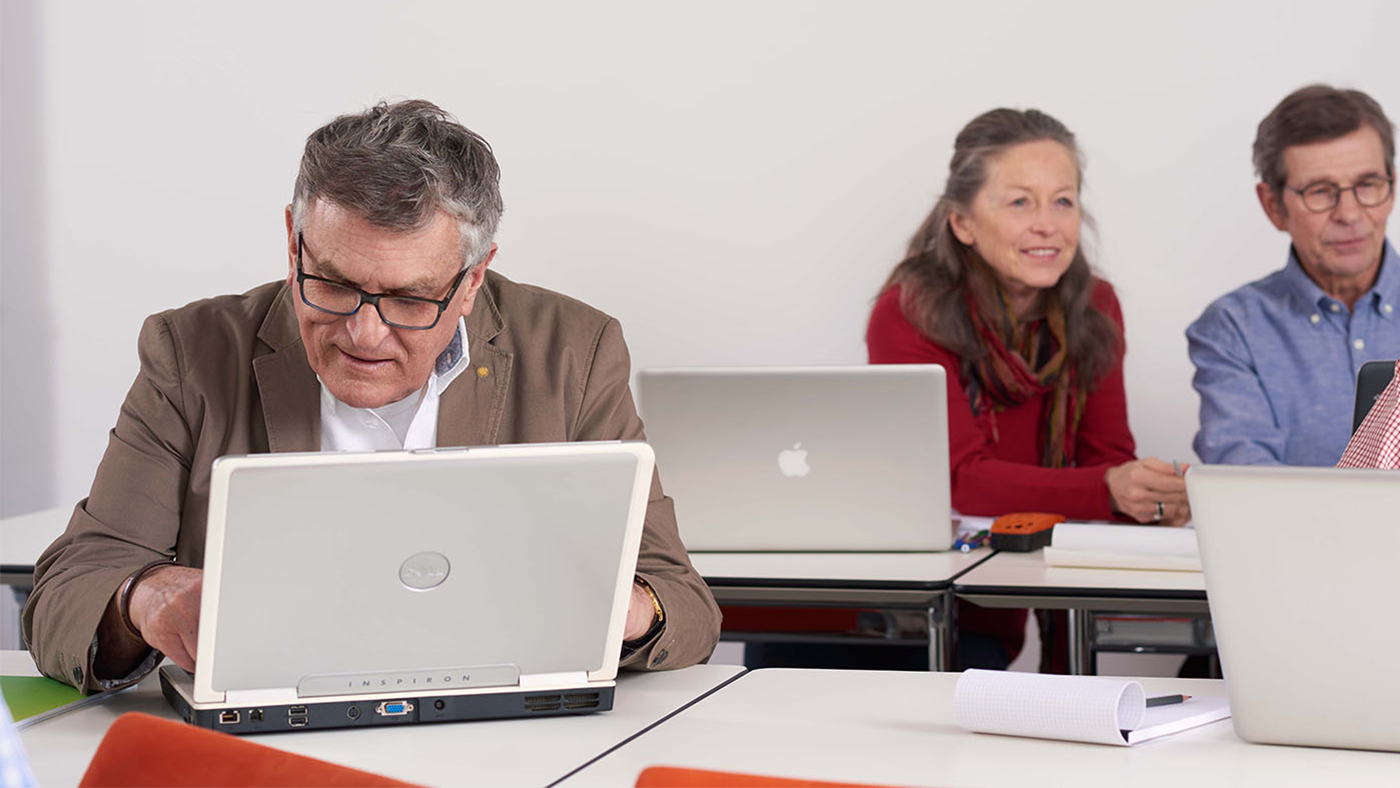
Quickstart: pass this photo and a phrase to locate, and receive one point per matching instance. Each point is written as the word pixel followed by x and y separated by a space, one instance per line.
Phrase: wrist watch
pixel 656 624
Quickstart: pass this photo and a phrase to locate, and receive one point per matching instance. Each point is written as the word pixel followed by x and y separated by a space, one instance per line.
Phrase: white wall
pixel 732 180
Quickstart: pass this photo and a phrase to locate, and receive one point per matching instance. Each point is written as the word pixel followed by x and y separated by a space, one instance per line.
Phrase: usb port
pixel 296 711
pixel 393 708
pixel 297 722
pixel 229 717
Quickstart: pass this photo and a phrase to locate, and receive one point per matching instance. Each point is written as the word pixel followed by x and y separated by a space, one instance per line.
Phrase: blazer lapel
pixel 290 393
pixel 471 409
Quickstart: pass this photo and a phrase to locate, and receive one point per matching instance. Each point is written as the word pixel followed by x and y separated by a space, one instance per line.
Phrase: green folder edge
pixel 28 696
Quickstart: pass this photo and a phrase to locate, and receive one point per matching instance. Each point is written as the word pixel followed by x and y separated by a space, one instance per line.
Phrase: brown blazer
pixel 229 375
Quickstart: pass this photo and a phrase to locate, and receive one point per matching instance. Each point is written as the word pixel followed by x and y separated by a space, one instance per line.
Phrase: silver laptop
pixel 804 459
pixel 1300 571
pixel 354 590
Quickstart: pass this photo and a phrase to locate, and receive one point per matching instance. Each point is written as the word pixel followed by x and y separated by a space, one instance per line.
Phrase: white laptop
pixel 1301 572
pixel 391 588
pixel 804 459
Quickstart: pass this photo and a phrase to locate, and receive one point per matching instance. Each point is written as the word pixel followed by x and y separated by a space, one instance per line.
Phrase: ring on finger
pixel 1161 512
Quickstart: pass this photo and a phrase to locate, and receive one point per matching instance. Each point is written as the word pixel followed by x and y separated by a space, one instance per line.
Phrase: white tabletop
pixel 1029 571
pixel 838 569
pixel 530 752
pixel 897 728
pixel 24 537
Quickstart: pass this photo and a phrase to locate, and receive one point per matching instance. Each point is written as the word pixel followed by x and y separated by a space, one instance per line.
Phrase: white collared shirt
pixel 410 423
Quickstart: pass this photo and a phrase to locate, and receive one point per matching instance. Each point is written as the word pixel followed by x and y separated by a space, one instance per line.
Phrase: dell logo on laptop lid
pixel 424 571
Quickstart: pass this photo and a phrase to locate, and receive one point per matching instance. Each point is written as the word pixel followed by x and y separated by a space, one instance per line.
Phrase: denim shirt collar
pixel 1385 292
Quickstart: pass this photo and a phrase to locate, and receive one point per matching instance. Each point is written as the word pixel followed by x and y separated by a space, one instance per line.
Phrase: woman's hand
pixel 1149 491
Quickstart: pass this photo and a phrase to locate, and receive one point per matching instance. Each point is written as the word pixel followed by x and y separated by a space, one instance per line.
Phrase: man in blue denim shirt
pixel 1276 360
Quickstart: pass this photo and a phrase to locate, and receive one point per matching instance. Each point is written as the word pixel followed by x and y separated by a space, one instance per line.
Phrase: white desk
pixel 24 538
pixel 1025 580
pixel 530 752
pixel 889 581
pixel 897 728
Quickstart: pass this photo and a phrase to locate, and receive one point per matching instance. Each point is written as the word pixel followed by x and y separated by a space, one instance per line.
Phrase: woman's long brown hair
pixel 938 268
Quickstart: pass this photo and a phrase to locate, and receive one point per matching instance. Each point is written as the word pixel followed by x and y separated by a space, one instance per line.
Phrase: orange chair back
pixel 141 750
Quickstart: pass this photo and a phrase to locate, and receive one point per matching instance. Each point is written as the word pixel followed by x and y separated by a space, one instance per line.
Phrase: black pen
pixel 1167 700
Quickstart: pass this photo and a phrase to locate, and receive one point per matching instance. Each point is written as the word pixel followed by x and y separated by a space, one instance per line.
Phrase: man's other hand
pixel 165 608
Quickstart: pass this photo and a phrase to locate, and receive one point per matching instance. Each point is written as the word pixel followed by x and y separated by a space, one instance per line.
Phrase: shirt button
pixel 78 676
pixel 482 372
pixel 1387 308
pixel 1335 307
pixel 1359 344
pixel 1315 319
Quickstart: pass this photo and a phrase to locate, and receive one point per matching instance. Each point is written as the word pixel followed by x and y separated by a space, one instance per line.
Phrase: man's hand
pixel 165 607
pixel 641 613
pixel 1149 491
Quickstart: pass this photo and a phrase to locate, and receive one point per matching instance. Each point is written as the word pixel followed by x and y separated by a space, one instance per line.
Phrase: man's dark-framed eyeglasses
pixel 1324 196
pixel 399 311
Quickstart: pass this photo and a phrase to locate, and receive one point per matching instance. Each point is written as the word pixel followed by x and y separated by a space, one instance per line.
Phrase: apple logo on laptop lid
pixel 793 462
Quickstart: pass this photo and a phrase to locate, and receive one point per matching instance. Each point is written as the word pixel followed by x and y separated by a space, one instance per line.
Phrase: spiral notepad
pixel 1074 708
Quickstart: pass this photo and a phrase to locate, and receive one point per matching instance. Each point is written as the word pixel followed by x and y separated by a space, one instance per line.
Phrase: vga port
pixel 393 708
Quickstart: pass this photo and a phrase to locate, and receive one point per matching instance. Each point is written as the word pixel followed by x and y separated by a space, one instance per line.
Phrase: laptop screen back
pixel 1300 572
pixel 352 564
pixel 804 459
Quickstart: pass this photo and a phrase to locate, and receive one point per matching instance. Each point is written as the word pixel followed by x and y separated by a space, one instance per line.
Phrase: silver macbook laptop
pixel 804 459
pixel 1300 571
pixel 354 590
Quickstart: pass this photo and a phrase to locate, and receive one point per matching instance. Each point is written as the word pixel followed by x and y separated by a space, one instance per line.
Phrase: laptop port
pixel 296 711
pixel 393 708
pixel 353 712
pixel 297 722
pixel 255 715
pixel 229 717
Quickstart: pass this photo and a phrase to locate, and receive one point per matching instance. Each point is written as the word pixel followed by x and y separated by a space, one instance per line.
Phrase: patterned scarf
pixel 1026 360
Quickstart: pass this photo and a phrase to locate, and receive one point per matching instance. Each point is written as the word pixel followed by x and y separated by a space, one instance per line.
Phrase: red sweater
pixel 993 477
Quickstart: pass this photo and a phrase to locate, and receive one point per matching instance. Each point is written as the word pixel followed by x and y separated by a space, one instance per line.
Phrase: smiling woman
pixel 996 288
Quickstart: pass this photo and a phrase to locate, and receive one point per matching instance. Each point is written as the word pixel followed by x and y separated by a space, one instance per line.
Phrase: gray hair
pixel 396 165
pixel 940 273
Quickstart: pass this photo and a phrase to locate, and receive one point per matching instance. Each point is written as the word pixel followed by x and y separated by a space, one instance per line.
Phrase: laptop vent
pixel 543 702
pixel 573 700
pixel 581 700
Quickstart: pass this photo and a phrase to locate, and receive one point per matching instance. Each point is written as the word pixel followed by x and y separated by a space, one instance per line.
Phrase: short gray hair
pixel 396 165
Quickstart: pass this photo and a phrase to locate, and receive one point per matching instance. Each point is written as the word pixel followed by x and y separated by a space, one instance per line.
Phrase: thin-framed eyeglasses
pixel 399 311
pixel 1323 196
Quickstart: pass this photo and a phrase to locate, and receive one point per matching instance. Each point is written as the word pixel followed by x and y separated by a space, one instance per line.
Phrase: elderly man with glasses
pixel 1276 360
pixel 388 332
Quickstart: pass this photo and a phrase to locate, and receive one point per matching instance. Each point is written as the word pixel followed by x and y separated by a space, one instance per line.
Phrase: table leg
pixel 942 638
pixel 1080 654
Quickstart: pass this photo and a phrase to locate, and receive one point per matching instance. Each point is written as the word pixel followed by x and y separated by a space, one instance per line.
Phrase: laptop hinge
pixel 572 677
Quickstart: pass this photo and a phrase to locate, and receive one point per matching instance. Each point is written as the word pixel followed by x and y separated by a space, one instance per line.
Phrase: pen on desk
pixel 1167 700
pixel 971 542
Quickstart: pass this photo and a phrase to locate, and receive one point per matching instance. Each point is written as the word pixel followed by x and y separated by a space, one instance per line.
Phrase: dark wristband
pixel 128 585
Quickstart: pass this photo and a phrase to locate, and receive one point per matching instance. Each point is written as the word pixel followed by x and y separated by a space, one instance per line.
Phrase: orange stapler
pixel 1022 532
